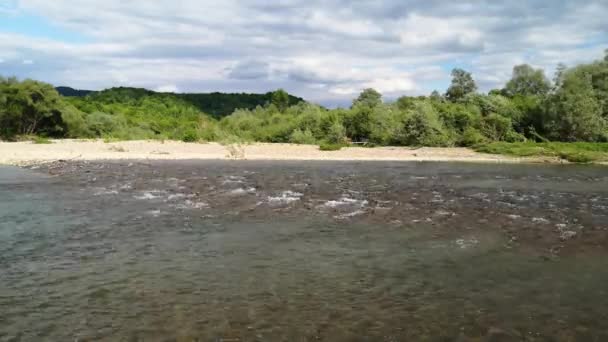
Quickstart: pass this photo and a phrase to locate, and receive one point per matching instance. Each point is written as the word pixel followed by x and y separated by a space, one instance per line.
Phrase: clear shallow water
pixel 276 251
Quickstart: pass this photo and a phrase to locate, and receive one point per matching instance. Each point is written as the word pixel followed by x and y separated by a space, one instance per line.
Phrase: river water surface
pixel 299 251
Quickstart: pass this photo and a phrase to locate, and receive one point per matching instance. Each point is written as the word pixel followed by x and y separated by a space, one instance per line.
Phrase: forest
pixel 530 115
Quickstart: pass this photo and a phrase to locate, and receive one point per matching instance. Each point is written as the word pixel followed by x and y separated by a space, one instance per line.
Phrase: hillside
pixel 215 104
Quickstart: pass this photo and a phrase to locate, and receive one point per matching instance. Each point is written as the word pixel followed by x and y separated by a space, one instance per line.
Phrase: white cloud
pixel 167 88
pixel 323 50
pixel 28 62
pixel 434 32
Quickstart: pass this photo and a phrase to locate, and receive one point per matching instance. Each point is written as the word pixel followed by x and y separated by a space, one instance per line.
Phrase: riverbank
pixel 23 153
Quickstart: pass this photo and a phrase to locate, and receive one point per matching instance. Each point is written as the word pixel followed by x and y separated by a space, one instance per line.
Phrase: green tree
pixel 527 81
pixel 462 85
pixel 30 107
pixel 435 96
pixel 280 98
pixel 358 122
pixel 368 98
pixel 573 112
pixel 422 127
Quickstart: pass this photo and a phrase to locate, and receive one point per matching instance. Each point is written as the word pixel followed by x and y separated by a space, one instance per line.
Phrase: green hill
pixel 215 104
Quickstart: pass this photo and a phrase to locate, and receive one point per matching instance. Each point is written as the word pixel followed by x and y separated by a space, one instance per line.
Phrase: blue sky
pixel 37 26
pixel 324 50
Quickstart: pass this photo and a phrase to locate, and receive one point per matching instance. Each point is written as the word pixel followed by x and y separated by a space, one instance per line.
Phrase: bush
pixel 336 134
pixel 190 136
pixel 102 124
pixel 513 137
pixel 496 127
pixel 75 123
pixel 423 128
pixel 327 146
pixel 577 157
pixel 302 137
pixel 471 137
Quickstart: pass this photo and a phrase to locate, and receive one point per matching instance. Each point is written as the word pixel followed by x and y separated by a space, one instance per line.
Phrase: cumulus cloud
pixel 323 50
pixel 250 70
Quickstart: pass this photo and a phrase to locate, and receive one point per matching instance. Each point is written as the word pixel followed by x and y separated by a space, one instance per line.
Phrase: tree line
pixel 573 106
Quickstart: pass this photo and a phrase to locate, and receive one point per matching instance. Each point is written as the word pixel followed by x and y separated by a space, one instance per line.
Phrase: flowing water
pixel 299 251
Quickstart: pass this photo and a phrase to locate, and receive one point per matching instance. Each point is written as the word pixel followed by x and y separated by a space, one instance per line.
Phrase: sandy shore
pixel 22 153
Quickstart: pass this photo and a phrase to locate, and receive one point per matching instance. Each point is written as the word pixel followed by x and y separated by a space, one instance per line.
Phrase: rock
pixel 567 235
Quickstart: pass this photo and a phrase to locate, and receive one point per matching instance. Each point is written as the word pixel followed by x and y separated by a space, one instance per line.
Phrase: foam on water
pixel 286 197
pixel 349 215
pixel 188 204
pixel 467 243
pixel 149 195
pixel 234 179
pixel 241 191
pixel 346 201
pixel 104 191
pixel 540 220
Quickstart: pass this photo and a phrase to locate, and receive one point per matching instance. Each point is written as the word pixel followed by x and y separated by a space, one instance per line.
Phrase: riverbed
pixel 289 251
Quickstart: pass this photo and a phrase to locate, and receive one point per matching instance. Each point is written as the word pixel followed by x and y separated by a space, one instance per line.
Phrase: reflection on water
pixel 277 251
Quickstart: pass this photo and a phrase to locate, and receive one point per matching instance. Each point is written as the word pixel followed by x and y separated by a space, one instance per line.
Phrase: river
pixel 296 251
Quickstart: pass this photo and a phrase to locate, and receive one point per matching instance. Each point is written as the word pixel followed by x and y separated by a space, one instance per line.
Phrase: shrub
pixel 302 137
pixel 471 137
pixel 423 128
pixel 102 124
pixel 327 146
pixel 496 127
pixel 190 136
pixel 41 140
pixel 336 134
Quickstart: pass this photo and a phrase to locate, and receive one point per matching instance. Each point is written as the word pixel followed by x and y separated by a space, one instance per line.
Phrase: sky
pixel 325 51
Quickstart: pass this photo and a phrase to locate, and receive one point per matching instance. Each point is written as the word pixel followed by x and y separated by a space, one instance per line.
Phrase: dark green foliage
pixel 190 136
pixel 280 99
pixel 462 85
pixel 369 98
pixel 472 137
pixel 215 104
pixel 71 92
pixel 496 127
pixel 422 127
pixel 574 112
pixel 28 108
pixel 527 81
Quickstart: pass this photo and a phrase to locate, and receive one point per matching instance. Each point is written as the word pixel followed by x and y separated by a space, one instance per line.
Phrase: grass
pixel 579 152
pixel 41 140
pixel 330 147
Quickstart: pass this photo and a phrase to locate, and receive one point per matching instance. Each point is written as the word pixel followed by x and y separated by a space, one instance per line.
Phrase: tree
pixel 422 127
pixel 30 107
pixel 527 81
pixel 280 98
pixel 606 55
pixel 435 96
pixel 462 85
pixel 368 98
pixel 573 112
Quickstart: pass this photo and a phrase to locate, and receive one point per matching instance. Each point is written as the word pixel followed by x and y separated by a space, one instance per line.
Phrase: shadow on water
pixel 287 251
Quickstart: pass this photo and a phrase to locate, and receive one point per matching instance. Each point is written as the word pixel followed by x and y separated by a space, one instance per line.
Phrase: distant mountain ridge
pixel 71 92
pixel 215 104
